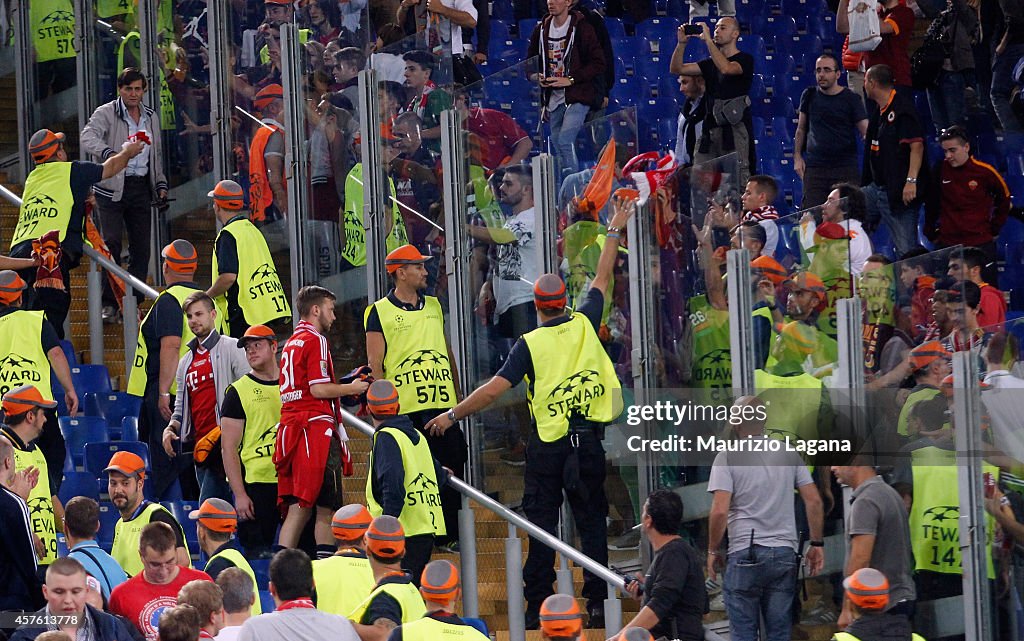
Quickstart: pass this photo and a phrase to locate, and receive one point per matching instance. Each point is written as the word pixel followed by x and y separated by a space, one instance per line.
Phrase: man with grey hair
pixel 239 597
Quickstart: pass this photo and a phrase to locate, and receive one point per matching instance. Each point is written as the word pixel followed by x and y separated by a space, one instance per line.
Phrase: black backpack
pixel 926 63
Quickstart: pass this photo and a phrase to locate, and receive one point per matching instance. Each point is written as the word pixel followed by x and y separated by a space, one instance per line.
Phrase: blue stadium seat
pixel 90 378
pixel 525 28
pixel 62 545
pixel 655 108
pixel 777 27
pixel 130 428
pixel 774 106
pixel 266 599
pixel 659 34
pixel 805 49
pixel 695 51
pixel 668 85
pixel 826 29
pixel 667 128
pixel 108 520
pixel 615 27
pixel 749 11
pixel 261 568
pixel 113 406
pixel 69 352
pixel 1015 164
pixel 506 91
pixel 990 148
pixel 502 11
pixel 814 8
pixel 97 455
pixel 783 128
pixel 58 394
pixel 1012 232
pixel 758 125
pixel 1011 279
pixel 752 44
pixel 81 430
pixel 980 123
pixel 622 70
pixel 180 510
pixel 653 66
pixel 78 484
pixel 779 86
pixel 757 88
pixel 678 9
pixel 630 90
pixel 500 30
pixel 768 148
pixel 775 65
pixel 507 49
pixel 881 240
pixel 69 463
pixel 1016 185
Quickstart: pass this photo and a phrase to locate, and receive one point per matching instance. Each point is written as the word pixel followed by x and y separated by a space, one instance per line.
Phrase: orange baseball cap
pixel 181 256
pixel 217 515
pixel 549 292
pixel 269 93
pixel 22 399
pixel 257 333
pixel 560 616
pixel 926 353
pixel 770 269
pixel 867 588
pixel 44 144
pixel 127 463
pixel 228 194
pixel 11 286
pixel 382 398
pixel 439 582
pixel 800 336
pixel 808 281
pixel 351 522
pixel 385 538
pixel 402 256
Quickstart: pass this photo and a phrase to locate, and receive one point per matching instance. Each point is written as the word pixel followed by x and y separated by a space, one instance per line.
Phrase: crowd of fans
pixel 881 182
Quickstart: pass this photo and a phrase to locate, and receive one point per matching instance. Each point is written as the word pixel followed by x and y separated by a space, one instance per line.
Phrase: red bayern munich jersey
pixel 306 360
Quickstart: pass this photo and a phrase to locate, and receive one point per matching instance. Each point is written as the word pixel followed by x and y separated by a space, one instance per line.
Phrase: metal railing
pixel 513 554
pixel 94 282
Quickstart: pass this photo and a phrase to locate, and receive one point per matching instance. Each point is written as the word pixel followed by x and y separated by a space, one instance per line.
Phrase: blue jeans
pixel 901 220
pixel 1002 85
pixel 566 122
pixel 758 588
pixel 946 98
pixel 212 484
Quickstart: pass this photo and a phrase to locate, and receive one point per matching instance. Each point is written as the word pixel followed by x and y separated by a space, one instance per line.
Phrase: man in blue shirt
pixel 81 523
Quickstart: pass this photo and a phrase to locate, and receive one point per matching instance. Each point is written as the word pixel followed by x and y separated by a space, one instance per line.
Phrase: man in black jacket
pixel 65 592
pixel 674 598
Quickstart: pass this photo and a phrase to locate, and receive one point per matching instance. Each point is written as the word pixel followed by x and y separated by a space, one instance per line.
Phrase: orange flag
pixel 599 190
pixel 94 238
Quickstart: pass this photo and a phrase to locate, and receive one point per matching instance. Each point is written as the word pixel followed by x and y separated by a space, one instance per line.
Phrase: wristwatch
pixel 817 544
pixel 451 416
pixel 911 181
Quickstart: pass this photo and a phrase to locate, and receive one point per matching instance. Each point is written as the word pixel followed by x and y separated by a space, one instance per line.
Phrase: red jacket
pixel 966 205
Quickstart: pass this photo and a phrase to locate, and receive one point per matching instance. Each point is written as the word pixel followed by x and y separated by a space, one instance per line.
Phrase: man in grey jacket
pixel 123 201
pixel 211 364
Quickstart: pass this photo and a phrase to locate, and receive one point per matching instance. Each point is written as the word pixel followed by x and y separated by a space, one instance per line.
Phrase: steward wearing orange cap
pixel 439 587
pixel 806 299
pixel 867 592
pixel 216 521
pixel 249 417
pixel 560 618
pixel 406 344
pixel 345 579
pixel 163 339
pixel 54 199
pixel 404 479
pixel 29 351
pixel 246 286
pixel 395 599
pixel 929 362
pixel 353 248
pixel 24 417
pixel 126 477
pixel 268 191
pixel 571 399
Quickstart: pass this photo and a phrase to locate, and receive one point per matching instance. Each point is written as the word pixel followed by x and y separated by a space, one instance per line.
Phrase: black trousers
pixel 257 535
pixel 542 501
pixel 51 444
pixel 417 554
pixel 53 302
pixel 451 451
pixel 131 214
pixel 164 469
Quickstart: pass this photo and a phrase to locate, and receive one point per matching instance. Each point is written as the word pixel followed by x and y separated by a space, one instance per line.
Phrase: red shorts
pixel 308 461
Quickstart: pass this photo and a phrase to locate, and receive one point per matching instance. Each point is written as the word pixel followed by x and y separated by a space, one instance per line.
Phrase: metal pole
pixel 130 326
pixel 218 26
pixel 849 377
pixel 514 585
pixel 25 81
pixel 546 210
pixel 85 62
pixel 94 287
pixel 467 559
pixel 376 186
pixel 612 611
pixel 457 267
pixel 644 330
pixel 973 540
pixel 741 323
pixel 296 162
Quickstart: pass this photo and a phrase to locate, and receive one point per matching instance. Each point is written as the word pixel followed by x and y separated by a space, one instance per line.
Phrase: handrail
pixel 553 542
pixel 94 255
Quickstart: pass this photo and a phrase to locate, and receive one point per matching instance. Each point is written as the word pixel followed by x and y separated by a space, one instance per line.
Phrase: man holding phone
pixel 728 74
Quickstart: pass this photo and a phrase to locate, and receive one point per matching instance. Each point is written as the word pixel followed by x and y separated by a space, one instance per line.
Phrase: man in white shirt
pixel 239 595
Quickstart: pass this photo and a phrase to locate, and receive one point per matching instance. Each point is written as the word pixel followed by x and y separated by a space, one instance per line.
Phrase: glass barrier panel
pixel 55 103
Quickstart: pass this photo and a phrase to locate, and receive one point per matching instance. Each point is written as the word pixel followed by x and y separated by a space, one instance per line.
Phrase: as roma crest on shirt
pixel 892 116
pixel 973 184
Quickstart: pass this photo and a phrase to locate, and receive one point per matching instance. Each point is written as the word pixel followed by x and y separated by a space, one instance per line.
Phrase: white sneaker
pixel 718 603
